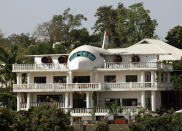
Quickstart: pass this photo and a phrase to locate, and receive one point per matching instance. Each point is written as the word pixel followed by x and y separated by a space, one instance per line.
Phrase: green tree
pixel 174 37
pixel 8 58
pixel 43 118
pixel 126 26
pixel 59 27
pixel 22 39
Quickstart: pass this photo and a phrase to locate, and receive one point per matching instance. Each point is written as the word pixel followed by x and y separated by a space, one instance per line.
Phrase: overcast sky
pixel 22 16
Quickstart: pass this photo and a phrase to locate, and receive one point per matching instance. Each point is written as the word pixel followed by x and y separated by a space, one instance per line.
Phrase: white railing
pixel 41 67
pixel 57 104
pixel 63 87
pixel 51 87
pixel 138 65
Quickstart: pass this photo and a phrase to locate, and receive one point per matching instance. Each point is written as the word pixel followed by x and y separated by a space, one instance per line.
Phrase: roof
pixel 152 46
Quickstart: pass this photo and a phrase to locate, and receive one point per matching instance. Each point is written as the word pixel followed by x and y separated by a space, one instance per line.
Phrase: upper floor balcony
pixel 106 66
pixel 122 86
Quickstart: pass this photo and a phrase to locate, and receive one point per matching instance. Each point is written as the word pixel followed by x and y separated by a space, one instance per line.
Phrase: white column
pixel 18 78
pixel 91 100
pixel 69 77
pixel 91 76
pixel 87 100
pixel 28 100
pixel 96 77
pixel 28 78
pixel 143 99
pixel 153 100
pixel 18 101
pixel 142 76
pixel 66 99
pixel 152 76
pixel 71 100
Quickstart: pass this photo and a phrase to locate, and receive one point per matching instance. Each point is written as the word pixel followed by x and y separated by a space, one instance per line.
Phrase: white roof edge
pixel 45 55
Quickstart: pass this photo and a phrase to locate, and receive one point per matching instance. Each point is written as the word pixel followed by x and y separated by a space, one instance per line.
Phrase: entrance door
pixel 81 79
pixel 79 100
pixel 148 79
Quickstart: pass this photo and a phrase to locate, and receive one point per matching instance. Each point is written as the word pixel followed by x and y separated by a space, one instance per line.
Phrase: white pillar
pixel 91 76
pixel 28 100
pixel 152 76
pixel 96 77
pixel 143 99
pixel 66 99
pixel 153 100
pixel 87 100
pixel 18 78
pixel 28 78
pixel 69 77
pixel 18 101
pixel 142 76
pixel 71 100
pixel 91 100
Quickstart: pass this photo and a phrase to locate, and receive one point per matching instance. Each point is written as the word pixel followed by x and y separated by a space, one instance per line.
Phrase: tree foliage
pixel 165 122
pixel 59 27
pixel 22 39
pixel 8 58
pixel 174 37
pixel 125 25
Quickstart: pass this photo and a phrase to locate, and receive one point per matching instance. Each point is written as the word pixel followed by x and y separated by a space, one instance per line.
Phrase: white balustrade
pixel 137 65
pixel 56 87
pixel 39 67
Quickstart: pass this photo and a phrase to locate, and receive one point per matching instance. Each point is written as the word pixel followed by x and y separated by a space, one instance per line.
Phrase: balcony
pixel 99 111
pixel 137 66
pixel 107 66
pixel 122 86
pixel 52 87
pixel 39 67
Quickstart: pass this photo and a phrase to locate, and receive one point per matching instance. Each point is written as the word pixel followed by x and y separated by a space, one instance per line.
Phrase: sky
pixel 23 16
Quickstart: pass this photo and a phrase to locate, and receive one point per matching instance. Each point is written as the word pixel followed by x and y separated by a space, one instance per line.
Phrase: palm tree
pixel 7 58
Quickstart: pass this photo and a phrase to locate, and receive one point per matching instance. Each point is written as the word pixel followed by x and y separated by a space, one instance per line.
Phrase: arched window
pixel 63 59
pixel 117 58
pixel 135 58
pixel 46 59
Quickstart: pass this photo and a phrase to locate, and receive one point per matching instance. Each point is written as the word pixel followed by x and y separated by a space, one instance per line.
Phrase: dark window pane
pixel 129 102
pixel 131 78
pixel 110 78
pixel 50 98
pixel 110 101
pixel 39 79
pixel 59 79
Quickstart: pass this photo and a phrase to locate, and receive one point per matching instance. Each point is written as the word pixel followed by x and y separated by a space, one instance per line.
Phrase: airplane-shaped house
pixel 91 77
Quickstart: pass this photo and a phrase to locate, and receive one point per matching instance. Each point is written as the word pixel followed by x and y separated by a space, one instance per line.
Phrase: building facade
pixel 91 77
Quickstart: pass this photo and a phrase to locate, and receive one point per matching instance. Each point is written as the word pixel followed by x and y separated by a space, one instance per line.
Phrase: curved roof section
pixel 152 46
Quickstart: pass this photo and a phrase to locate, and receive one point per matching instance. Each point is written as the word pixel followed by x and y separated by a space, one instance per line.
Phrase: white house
pixel 91 77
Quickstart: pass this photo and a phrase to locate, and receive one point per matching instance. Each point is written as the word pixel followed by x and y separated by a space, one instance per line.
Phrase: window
pixel 162 77
pixel 131 78
pixel 39 79
pixel 129 102
pixel 50 98
pixel 110 78
pixel 63 59
pixel 46 59
pixel 135 58
pixel 83 54
pixel 110 101
pixel 59 79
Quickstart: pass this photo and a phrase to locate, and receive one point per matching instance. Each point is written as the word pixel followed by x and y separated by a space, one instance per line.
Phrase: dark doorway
pixel 79 100
pixel 81 79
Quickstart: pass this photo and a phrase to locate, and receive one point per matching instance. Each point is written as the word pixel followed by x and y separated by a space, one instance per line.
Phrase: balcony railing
pixel 138 65
pixel 39 67
pixel 107 65
pixel 99 111
pixel 51 87
pixel 122 86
